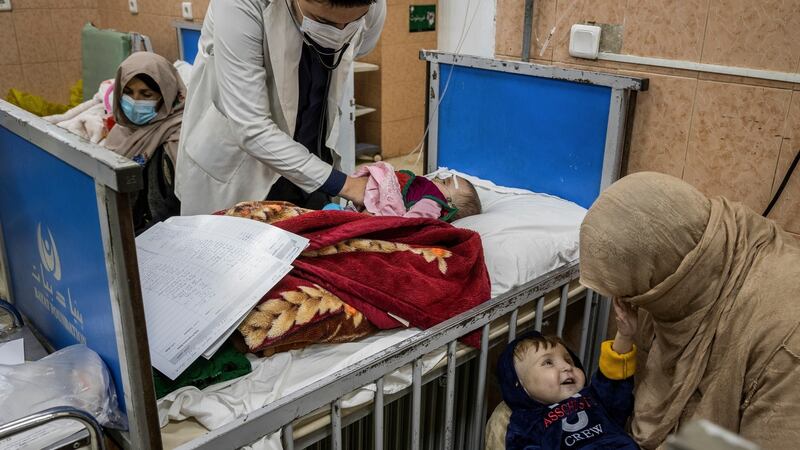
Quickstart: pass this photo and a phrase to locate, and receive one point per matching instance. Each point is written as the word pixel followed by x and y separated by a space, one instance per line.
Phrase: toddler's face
pixel 549 374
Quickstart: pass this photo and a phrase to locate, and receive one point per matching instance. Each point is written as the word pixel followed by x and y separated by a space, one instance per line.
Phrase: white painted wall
pixel 480 38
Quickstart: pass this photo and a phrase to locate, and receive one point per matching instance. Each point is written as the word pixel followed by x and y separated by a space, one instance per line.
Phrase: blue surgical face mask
pixel 139 112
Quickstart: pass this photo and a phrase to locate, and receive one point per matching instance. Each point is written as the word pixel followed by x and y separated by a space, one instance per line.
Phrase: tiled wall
pixel 40 46
pixel 727 135
pixel 154 19
pixel 398 88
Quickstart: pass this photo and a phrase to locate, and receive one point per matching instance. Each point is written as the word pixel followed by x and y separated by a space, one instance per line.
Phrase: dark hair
pixel 347 3
pixel 151 83
pixel 536 342
pixel 467 201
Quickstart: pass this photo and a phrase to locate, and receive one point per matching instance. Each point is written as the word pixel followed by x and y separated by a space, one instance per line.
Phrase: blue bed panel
pixel 523 131
pixel 50 224
pixel 189 39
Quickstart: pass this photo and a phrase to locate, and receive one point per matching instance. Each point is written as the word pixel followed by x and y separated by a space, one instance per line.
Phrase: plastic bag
pixel 41 107
pixel 74 376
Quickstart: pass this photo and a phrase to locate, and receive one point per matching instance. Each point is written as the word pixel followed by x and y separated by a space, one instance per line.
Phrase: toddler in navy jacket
pixel 544 384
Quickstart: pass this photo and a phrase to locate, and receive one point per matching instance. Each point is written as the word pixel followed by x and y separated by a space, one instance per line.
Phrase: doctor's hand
pixel 354 188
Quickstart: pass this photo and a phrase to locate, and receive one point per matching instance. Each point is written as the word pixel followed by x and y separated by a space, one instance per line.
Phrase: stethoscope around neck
pixel 317 50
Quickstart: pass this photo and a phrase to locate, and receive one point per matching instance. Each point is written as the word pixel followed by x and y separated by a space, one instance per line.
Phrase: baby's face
pixel 549 374
pixel 448 185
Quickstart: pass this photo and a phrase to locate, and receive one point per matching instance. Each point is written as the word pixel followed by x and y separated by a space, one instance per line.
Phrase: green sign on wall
pixel 421 18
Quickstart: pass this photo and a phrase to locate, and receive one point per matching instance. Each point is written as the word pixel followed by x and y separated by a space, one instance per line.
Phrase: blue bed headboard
pixel 543 128
pixel 188 36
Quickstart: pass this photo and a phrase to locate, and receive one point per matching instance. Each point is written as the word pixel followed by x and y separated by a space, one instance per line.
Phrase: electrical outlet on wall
pixel 5 5
pixel 133 6
pixel 186 10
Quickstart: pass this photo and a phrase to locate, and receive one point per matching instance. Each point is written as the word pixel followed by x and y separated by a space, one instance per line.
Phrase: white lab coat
pixel 241 111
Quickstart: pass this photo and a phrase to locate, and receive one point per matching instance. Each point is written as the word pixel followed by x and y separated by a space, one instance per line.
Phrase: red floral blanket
pixel 387 270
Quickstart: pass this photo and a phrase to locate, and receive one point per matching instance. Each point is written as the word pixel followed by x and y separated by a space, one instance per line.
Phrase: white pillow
pixel 524 234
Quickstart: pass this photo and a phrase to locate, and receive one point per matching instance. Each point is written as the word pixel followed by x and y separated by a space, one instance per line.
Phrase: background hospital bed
pixel 546 129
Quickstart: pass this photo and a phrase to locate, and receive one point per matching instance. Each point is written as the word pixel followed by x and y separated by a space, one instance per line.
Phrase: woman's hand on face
pixel 627 318
pixel 354 189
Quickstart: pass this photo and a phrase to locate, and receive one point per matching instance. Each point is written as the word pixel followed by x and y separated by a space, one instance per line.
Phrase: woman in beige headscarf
pixel 148 109
pixel 718 290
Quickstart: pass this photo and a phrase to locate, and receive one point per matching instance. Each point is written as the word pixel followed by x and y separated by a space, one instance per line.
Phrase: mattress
pixel 524 235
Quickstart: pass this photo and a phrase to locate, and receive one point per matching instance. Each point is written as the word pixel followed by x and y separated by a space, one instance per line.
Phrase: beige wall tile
pixel 199 8
pixel 44 79
pixel 114 5
pixel 402 100
pixel 395 29
pixel 34 29
pixel 570 12
pixel 661 125
pixel 11 77
pixel 665 29
pixel 67 25
pixel 79 4
pixel 34 4
pixel 70 72
pixel 787 211
pixel 745 80
pixel 510 23
pixel 9 53
pixel 762 35
pixel 401 137
pixel 401 63
pixel 161 7
pixel 735 139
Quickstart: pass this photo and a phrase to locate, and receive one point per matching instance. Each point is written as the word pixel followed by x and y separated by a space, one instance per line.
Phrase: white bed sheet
pixel 525 235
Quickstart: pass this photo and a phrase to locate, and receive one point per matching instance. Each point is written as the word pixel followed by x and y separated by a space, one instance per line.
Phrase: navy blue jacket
pixel 594 418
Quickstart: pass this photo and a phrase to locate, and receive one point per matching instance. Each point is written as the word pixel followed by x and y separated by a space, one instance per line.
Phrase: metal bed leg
pixel 604 309
pixel 287 436
pixel 336 424
pixel 449 426
pixel 416 404
pixel 480 401
pixel 512 325
pixel 587 314
pixel 562 310
pixel 378 414
pixel 539 313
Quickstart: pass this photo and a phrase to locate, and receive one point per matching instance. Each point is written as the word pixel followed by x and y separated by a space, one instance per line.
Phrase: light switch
pixel 186 10
pixel 133 6
pixel 584 41
pixel 5 5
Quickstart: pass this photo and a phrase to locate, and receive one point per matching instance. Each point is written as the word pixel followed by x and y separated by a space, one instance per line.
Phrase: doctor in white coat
pixel 262 116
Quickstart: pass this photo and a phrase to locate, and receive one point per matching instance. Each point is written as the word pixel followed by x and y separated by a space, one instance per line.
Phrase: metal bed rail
pixel 42 418
pixel 315 427
pixel 281 414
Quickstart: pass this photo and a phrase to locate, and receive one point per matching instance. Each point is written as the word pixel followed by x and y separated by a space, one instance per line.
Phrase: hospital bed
pixel 545 129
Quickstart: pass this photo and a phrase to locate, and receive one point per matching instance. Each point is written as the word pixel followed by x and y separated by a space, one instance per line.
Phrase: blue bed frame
pixel 547 129
pixel 188 37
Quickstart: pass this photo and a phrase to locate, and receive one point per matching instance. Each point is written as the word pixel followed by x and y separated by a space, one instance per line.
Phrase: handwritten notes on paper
pixel 200 277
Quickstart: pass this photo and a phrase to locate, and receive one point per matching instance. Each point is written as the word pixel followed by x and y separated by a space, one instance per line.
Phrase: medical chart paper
pixel 283 249
pixel 200 276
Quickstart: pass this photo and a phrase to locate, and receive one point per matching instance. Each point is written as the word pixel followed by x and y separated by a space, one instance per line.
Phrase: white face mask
pixel 328 36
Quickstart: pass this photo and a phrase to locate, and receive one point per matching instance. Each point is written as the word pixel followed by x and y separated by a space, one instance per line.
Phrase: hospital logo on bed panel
pixel 49 290
pixel 48 252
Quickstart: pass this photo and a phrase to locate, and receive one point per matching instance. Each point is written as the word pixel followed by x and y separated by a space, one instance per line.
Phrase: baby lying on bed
pixel 402 193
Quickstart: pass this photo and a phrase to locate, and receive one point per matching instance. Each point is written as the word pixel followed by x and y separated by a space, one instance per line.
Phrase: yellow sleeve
pixel 616 366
